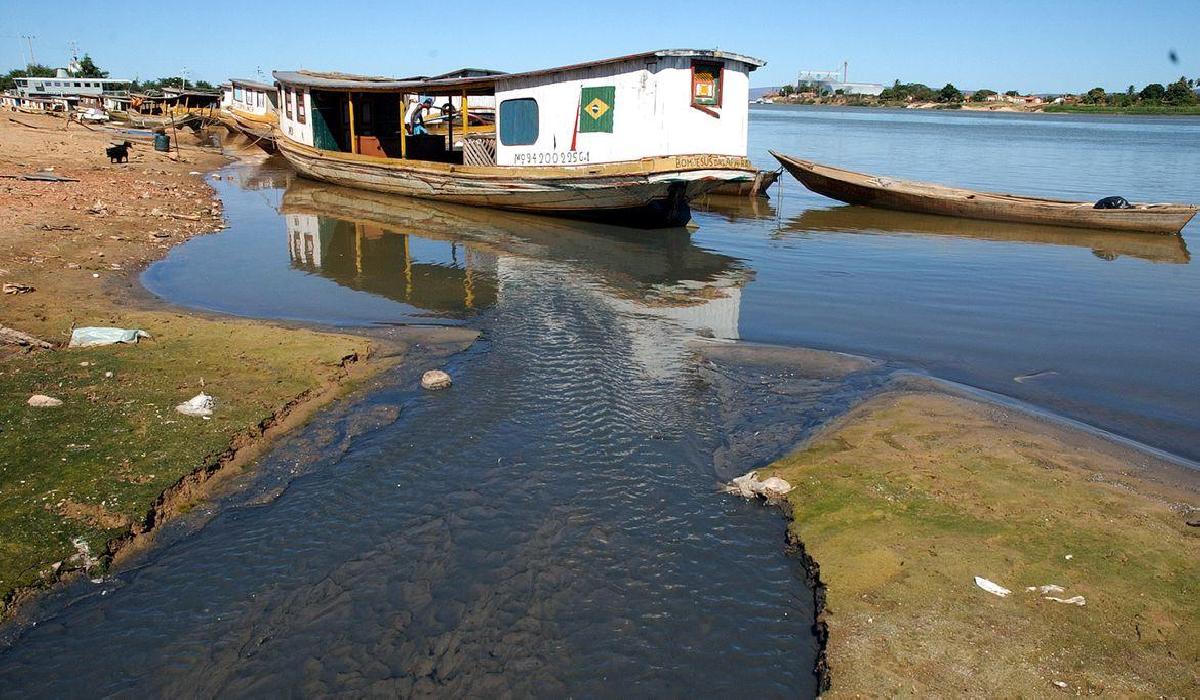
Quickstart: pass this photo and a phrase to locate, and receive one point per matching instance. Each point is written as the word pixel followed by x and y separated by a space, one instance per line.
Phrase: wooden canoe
pixel 646 193
pixel 925 198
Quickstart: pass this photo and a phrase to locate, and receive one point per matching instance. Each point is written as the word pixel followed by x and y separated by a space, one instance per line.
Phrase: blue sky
pixel 1038 46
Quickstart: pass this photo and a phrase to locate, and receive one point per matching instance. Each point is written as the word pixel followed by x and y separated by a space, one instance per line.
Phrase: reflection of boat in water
pixel 735 208
pixel 1104 244
pixel 446 277
pixel 663 274
pixel 922 197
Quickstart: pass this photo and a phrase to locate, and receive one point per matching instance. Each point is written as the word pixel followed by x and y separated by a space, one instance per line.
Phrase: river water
pixel 553 525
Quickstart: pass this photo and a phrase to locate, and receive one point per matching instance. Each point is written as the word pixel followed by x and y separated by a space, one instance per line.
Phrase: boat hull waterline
pixel 653 193
pixel 902 195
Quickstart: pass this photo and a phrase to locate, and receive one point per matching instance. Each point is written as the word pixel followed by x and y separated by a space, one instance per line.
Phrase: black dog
pixel 118 153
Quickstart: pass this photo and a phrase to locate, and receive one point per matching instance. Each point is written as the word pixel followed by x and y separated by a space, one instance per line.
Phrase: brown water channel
pixel 552 525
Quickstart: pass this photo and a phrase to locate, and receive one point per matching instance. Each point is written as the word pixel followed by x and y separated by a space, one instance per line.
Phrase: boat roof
pixel 255 84
pixel 474 78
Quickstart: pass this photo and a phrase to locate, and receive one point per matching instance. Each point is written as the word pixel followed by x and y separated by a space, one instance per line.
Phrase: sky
pixel 1027 45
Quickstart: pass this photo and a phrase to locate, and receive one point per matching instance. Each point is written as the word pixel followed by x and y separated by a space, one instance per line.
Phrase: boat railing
pixel 479 149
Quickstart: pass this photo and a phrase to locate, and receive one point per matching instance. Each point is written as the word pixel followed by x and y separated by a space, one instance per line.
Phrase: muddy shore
pixel 81 482
pixel 901 502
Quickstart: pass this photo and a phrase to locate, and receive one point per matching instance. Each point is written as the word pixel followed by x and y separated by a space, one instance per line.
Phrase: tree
pixel 949 93
pixel 1095 96
pixel 786 90
pixel 982 95
pixel 1012 93
pixel 1178 93
pixel 88 69
pixel 1131 91
pixel 33 70
pixel 1154 92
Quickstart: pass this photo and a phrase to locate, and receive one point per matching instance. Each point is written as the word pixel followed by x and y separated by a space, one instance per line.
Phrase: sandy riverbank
pixel 914 493
pixel 81 481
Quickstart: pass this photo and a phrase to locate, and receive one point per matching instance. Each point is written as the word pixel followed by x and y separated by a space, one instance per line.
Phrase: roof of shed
pixel 253 84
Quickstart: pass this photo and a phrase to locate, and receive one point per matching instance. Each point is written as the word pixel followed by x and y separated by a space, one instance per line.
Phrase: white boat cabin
pixel 249 96
pixel 654 104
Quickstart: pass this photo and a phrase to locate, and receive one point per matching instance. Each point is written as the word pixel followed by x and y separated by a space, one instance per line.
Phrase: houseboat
pixel 250 107
pixel 631 139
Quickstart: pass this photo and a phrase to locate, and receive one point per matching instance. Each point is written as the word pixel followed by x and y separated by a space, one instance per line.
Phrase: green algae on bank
pixel 912 495
pixel 79 477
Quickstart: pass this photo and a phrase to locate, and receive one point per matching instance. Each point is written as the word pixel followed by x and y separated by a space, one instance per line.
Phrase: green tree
pixel 786 90
pixel 88 69
pixel 1095 96
pixel 949 93
pixel 1178 93
pixel 1154 92
pixel 1012 93
pixel 33 70
pixel 982 95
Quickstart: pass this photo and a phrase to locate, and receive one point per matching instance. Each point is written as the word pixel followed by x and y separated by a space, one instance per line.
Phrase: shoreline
pixel 855 658
pixel 333 362
pixel 974 108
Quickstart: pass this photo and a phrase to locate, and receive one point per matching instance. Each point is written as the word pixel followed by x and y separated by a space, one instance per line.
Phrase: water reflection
pixel 1107 245
pixel 451 259
pixel 445 277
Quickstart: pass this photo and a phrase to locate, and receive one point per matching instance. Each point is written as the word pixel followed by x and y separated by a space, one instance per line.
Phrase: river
pixel 553 524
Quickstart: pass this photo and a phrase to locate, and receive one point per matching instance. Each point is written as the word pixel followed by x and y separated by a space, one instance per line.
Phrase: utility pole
pixel 29 40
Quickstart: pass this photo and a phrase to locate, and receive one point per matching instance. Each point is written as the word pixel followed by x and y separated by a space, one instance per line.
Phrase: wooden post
pixel 403 126
pixel 466 116
pixel 353 135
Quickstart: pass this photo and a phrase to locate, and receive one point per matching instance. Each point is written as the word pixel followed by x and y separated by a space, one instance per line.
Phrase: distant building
pixel 64 85
pixel 822 81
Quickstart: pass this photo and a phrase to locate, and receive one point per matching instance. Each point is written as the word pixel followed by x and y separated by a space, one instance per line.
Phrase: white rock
pixel 776 486
pixel 43 401
pixel 748 486
pixel 435 379
pixel 199 405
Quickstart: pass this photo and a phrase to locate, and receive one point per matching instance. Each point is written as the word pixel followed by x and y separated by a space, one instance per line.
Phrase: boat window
pixel 300 113
pixel 519 122
pixel 258 97
pixel 706 83
pixel 287 102
pixel 237 94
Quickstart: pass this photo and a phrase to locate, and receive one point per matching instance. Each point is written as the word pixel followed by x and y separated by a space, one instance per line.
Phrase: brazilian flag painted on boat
pixel 596 105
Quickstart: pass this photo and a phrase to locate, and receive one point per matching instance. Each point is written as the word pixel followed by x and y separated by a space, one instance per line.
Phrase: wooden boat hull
pixel 259 129
pixel 651 193
pixel 900 195
pixel 757 187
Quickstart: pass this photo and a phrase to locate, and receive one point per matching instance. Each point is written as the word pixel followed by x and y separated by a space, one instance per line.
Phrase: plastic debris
pixel 435 379
pixel 748 486
pixel 43 401
pixel 90 336
pixel 1048 588
pixel 1073 600
pixel 199 405
pixel 993 588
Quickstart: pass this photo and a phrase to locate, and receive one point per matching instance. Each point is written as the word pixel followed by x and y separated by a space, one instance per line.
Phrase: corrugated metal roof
pixel 465 80
pixel 254 84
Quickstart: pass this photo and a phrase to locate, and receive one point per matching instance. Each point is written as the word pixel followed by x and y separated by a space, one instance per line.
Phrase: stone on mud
pixel 435 379
pixel 43 401
pixel 748 486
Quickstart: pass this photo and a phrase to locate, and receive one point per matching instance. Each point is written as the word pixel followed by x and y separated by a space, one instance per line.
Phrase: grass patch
pixel 89 470
pixel 1132 109
pixel 916 494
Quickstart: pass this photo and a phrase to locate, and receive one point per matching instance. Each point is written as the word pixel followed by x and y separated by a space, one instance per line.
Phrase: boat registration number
pixel 552 157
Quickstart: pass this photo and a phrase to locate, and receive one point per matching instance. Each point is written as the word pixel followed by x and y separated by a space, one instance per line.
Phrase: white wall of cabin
pixel 291 127
pixel 249 101
pixel 653 112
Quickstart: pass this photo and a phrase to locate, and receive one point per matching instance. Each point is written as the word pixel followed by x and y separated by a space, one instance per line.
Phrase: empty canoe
pixel 903 195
